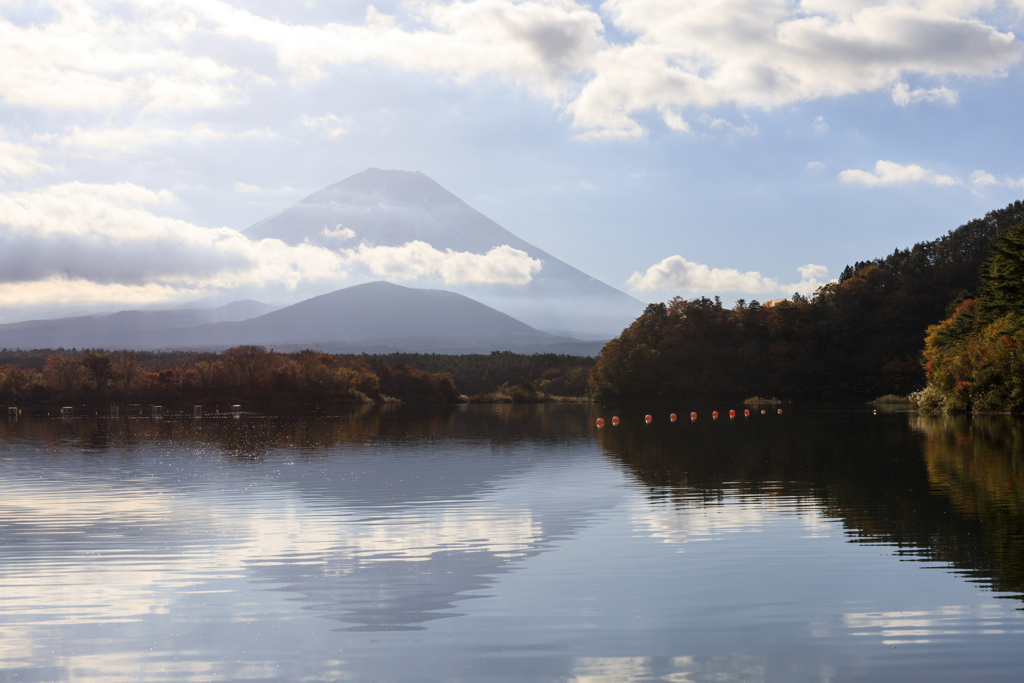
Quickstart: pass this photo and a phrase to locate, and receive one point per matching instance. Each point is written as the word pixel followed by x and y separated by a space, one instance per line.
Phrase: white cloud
pixel 811 271
pixel 125 141
pixel 902 95
pixel 890 173
pixel 766 53
pixel 18 160
pixel 675 122
pixel 812 277
pixel 339 232
pixel 415 260
pixel 814 166
pixel 820 127
pixel 982 179
pixel 328 125
pixel 246 188
pixel 676 273
pixel 82 242
pixel 693 55
pixel 732 129
pixel 91 58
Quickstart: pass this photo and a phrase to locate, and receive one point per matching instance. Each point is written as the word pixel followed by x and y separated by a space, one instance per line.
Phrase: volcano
pixel 391 208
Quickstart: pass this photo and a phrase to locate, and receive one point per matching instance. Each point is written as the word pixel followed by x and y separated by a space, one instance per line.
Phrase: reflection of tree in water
pixel 979 464
pixel 255 436
pixel 952 490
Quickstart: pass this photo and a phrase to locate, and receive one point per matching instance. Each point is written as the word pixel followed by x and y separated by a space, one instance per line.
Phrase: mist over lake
pixel 512 543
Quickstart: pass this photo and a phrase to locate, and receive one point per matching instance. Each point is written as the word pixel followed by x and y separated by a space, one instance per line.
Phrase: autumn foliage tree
pixel 975 357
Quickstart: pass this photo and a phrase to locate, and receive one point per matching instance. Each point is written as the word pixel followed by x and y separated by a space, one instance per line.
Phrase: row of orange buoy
pixel 693 417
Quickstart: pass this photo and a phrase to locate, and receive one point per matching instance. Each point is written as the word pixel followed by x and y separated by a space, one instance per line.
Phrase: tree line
pixel 860 337
pixel 254 375
pixel 975 357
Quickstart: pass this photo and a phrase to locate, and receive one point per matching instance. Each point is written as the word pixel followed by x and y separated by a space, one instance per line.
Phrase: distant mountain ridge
pixel 119 330
pixel 372 317
pixel 392 208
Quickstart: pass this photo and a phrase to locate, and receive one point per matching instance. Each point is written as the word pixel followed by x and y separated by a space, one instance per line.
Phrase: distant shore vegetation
pixel 255 376
pixel 858 338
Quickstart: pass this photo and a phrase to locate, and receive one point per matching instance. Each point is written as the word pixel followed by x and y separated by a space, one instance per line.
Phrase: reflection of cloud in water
pixel 671 669
pixel 896 628
pixel 684 521
pixel 362 538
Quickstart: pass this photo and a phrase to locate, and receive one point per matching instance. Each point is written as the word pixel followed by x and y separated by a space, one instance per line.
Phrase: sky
pixel 745 148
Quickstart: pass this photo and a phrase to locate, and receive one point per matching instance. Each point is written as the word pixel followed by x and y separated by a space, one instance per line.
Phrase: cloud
pixel 89 58
pixel 732 129
pixel 248 189
pixel 811 271
pixel 413 260
pixel 676 273
pixel 902 95
pixel 18 160
pixel 164 55
pixel 820 127
pixel 328 125
pixel 888 173
pixel 339 232
pixel 764 54
pixel 812 277
pixel 983 179
pixel 86 241
pixel 675 122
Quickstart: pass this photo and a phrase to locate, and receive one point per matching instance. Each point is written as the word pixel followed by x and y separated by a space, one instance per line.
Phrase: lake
pixel 513 543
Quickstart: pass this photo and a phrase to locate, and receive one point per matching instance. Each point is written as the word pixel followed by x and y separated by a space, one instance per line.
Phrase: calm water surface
pixel 512 543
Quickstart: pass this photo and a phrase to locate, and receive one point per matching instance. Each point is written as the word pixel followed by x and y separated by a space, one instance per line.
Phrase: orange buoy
pixel 762 412
pixel 714 415
pixel 693 416
pixel 672 417
pixel 648 419
pixel 732 414
pixel 600 422
pixel 615 420
pixel 746 413
pixel 780 411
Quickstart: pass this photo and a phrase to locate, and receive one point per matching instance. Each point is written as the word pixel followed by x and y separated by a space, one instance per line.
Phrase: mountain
pixel 119 330
pixel 392 208
pixel 372 317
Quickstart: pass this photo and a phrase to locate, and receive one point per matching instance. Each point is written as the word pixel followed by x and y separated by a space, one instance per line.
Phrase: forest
pixel 860 337
pixel 974 357
pixel 255 376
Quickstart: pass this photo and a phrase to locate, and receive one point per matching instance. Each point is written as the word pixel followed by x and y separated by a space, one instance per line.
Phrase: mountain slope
pixel 121 329
pixel 372 317
pixel 379 311
pixel 391 208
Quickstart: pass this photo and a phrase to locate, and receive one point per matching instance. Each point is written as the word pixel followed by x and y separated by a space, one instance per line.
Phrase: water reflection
pixel 944 489
pixel 508 542
pixel 334 509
